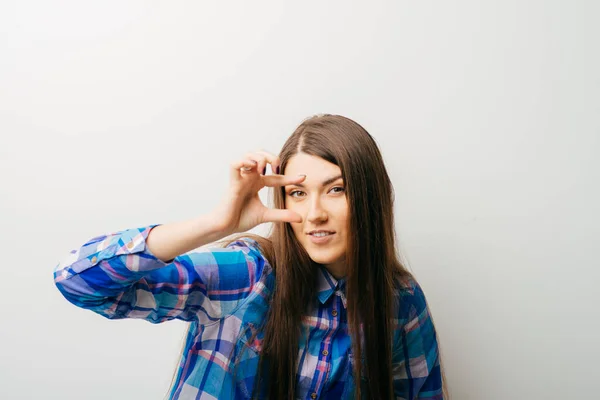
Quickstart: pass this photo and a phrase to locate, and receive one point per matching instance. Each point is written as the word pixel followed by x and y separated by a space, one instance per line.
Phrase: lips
pixel 321 239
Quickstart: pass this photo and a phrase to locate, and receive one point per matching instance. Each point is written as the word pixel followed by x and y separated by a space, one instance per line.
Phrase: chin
pixel 323 255
pixel 323 258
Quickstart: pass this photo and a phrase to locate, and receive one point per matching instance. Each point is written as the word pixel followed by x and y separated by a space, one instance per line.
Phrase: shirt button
pixel 325 352
pixel 313 396
pixel 334 313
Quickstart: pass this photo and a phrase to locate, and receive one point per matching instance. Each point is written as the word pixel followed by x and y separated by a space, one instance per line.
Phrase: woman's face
pixel 321 201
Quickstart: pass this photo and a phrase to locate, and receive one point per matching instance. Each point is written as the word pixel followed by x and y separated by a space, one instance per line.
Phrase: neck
pixel 337 269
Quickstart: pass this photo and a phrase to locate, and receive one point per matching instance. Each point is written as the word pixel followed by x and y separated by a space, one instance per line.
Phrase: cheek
pixel 298 233
pixel 297 229
pixel 342 217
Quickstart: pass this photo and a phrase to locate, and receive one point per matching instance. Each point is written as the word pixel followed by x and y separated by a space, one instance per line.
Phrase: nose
pixel 316 212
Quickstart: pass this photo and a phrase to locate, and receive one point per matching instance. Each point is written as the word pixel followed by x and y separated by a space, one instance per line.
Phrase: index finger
pixel 282 180
pixel 271 159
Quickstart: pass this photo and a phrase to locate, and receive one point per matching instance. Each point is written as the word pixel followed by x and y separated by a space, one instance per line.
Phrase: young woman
pixel 321 308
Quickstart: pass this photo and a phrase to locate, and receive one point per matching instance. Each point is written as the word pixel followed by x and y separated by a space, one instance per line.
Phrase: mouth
pixel 320 237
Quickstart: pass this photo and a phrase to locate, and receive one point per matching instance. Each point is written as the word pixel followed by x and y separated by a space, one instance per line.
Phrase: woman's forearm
pixel 173 239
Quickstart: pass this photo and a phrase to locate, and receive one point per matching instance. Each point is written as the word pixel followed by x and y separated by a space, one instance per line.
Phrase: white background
pixel 121 114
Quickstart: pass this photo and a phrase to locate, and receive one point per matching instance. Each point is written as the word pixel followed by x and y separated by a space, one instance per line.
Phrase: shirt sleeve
pixel 116 276
pixel 416 363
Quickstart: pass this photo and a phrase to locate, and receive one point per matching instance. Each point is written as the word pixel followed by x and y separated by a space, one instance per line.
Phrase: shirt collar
pixel 327 285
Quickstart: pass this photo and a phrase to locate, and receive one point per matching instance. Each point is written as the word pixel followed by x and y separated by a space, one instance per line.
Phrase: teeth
pixel 319 234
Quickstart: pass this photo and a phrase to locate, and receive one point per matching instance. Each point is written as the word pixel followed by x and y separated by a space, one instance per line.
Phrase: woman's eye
pixel 341 189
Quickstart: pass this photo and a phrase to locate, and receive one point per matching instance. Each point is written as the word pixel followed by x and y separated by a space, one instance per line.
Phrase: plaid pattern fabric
pixel 224 294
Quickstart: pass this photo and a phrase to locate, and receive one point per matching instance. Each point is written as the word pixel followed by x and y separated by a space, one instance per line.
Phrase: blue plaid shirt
pixel 223 293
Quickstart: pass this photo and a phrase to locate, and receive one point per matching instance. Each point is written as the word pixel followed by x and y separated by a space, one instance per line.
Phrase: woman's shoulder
pixel 410 297
pixel 259 245
pixel 259 250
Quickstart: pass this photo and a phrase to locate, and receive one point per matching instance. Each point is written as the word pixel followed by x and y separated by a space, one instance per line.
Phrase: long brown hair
pixel 373 266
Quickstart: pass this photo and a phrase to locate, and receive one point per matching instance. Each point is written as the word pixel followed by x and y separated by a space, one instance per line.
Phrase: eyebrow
pixel 325 182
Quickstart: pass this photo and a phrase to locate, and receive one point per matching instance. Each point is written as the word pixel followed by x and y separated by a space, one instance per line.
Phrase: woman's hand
pixel 241 208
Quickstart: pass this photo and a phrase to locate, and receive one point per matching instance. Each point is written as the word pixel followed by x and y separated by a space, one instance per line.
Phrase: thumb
pixel 278 215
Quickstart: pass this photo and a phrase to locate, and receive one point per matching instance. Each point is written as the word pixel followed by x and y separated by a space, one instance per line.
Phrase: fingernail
pixel 302 175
